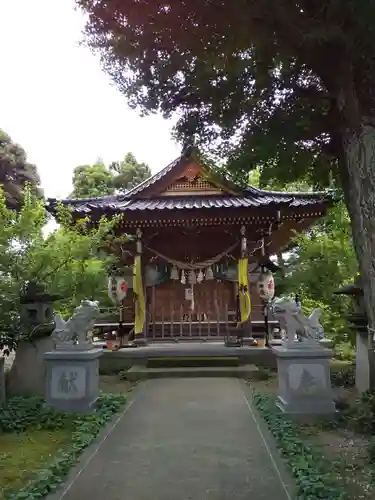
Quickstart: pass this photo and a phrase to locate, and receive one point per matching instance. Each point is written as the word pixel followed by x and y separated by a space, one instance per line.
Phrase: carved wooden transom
pixel 192 184
pixel 192 180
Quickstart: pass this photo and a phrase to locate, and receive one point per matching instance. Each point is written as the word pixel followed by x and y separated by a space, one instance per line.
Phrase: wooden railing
pixel 172 324
pixel 196 324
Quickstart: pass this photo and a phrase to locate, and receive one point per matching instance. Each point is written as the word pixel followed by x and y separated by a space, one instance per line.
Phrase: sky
pixel 59 105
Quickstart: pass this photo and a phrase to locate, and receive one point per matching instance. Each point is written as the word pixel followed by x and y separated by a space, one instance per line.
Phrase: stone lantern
pixel 27 374
pixel 365 355
pixel 36 313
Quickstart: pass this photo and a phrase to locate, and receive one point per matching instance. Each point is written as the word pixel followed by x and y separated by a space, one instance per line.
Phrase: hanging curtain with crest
pixel 243 280
pixel 243 290
pixel 139 296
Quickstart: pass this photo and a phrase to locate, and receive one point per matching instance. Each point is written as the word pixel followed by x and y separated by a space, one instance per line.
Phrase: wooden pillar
pixel 153 309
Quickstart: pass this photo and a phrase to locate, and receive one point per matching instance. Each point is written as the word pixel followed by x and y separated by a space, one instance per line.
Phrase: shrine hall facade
pixel 187 225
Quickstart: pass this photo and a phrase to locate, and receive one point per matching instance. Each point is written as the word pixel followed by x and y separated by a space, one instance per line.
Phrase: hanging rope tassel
pixel 140 306
pixel 243 288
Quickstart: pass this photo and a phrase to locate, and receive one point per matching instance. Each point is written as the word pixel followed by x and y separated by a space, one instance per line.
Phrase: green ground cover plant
pixel 39 445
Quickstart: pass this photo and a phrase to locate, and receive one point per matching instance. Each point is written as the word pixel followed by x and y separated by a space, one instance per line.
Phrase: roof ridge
pixel 153 178
pixel 77 201
pixel 287 194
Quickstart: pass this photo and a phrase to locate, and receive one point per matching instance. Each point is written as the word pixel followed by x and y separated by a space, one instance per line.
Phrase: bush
pixel 333 318
pixel 20 413
pixel 343 376
pixel 313 474
pixel 344 351
pixel 362 415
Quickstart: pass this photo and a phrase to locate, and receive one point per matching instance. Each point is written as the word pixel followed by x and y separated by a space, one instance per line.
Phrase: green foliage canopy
pixel 90 181
pixel 319 263
pixel 65 262
pixel 129 173
pixel 267 73
pixel 16 171
pixel 322 261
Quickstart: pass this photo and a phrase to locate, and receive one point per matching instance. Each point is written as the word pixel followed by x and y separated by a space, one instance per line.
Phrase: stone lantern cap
pixel 36 292
pixel 354 288
pixel 358 318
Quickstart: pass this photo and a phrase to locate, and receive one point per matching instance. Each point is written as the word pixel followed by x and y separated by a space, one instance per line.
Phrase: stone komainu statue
pixel 75 329
pixel 297 325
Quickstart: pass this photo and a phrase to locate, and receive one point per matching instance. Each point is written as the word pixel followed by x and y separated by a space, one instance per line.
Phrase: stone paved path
pixel 182 439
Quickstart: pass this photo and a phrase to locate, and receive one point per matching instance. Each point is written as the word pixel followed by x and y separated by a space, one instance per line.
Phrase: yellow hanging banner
pixel 243 290
pixel 140 307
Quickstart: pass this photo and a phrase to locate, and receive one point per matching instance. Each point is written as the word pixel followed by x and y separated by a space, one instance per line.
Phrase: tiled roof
pixel 249 197
pixel 260 199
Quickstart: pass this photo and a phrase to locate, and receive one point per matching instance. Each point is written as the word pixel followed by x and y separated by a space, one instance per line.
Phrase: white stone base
pixel 304 381
pixel 140 341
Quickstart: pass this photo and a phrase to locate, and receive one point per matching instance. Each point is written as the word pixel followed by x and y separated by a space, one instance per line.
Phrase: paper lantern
pixel 121 288
pixel 192 277
pixel 117 288
pixel 266 286
pixel 200 276
pixel 209 274
pixel 174 274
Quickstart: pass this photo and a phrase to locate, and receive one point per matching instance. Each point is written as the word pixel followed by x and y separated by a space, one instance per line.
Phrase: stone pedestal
pixel 304 380
pixel 140 341
pixel 365 363
pixel 326 343
pixel 2 380
pixel 27 374
pixel 72 378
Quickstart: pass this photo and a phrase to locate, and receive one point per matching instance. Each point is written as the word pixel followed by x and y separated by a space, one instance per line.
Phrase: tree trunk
pixel 358 176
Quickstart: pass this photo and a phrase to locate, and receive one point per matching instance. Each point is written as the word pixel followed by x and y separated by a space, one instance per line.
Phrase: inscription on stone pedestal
pixel 307 379
pixel 68 382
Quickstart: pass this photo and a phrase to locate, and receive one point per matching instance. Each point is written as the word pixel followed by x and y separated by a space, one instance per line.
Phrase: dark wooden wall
pixel 210 297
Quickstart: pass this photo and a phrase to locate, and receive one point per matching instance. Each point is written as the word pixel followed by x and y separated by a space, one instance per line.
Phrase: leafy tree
pixel 64 262
pixel 318 263
pixel 300 185
pixel 15 171
pixel 322 261
pixel 90 181
pixel 285 85
pixel 256 179
pixel 129 173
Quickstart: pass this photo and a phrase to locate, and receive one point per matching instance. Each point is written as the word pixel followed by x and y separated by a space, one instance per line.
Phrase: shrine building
pixel 191 233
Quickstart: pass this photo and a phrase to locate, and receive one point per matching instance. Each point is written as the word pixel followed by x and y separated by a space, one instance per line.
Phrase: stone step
pixel 192 361
pixel 139 372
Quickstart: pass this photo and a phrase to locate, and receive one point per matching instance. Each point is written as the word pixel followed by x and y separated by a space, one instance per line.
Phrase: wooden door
pixel 169 302
pixel 213 299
